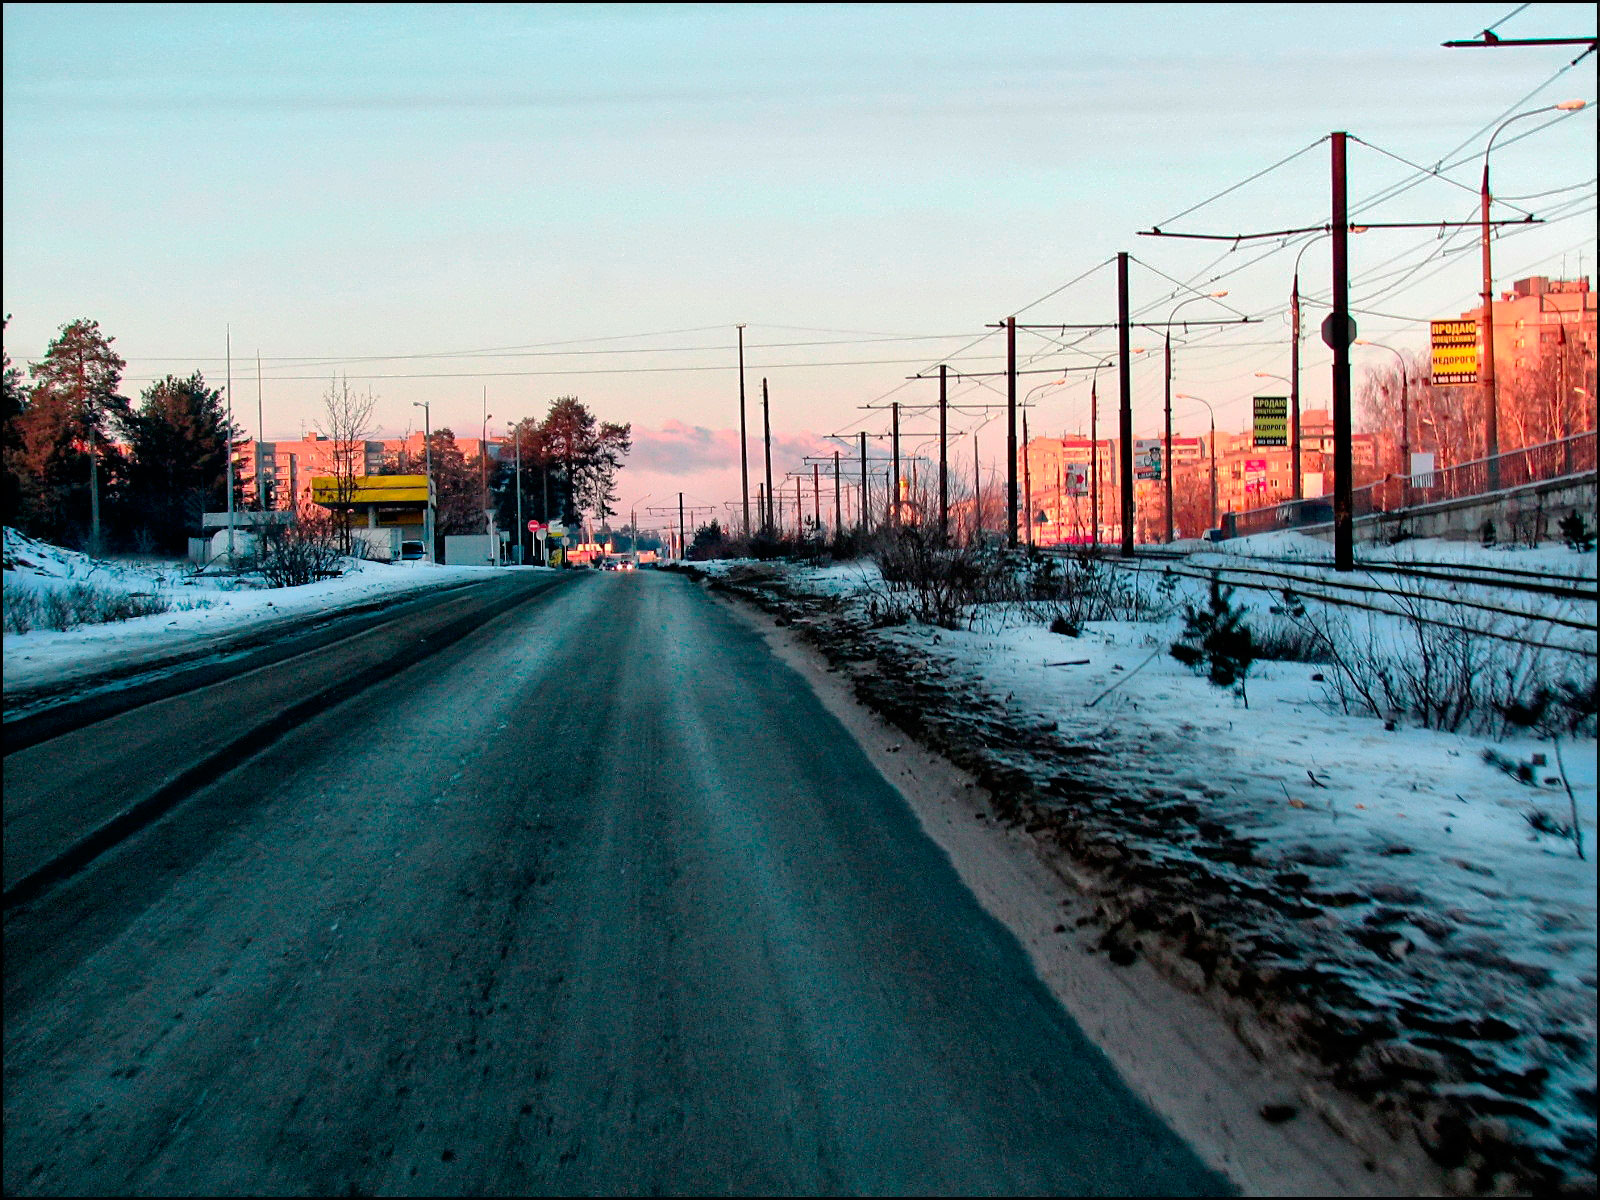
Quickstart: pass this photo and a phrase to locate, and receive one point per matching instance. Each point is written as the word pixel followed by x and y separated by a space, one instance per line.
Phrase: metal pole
pixel 893 512
pixel 1213 466
pixel 1339 324
pixel 766 434
pixel 1125 420
pixel 838 499
pixel 866 495
pixel 683 546
pixel 228 336
pixel 744 443
pixel 1296 489
pixel 1491 402
pixel 816 500
pixel 799 512
pixel 1011 432
pixel 944 480
pixel 1167 481
pixel 521 532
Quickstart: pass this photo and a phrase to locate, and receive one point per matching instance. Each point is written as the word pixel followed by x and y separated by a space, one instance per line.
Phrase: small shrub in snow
pixel 1576 532
pixel 21 608
pixel 1552 713
pixel 301 553
pixel 1218 640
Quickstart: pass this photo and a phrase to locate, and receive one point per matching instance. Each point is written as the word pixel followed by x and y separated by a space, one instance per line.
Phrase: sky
pixel 488 208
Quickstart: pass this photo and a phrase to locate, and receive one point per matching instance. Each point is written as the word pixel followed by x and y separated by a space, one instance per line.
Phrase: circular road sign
pixel 535 526
pixel 1331 333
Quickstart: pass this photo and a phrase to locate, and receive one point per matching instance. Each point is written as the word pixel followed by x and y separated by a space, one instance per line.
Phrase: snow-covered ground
pixel 1427 888
pixel 204 608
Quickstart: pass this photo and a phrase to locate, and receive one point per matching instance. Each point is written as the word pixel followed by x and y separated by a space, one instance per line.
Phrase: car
pixel 412 552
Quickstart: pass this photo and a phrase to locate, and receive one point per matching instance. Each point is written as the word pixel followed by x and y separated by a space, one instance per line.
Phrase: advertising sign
pixel 1455 352
pixel 1271 421
pixel 1077 479
pixel 1255 475
pixel 1147 458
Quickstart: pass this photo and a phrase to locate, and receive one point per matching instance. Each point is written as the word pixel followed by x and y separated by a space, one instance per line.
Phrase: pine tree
pixel 179 437
pixel 1217 639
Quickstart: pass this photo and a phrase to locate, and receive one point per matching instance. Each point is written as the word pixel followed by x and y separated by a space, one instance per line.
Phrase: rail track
pixel 1407 591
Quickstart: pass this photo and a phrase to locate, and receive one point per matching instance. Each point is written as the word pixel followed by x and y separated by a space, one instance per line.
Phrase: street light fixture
pixel 1168 410
pixel 427 459
pixel 1197 400
pixel 1486 378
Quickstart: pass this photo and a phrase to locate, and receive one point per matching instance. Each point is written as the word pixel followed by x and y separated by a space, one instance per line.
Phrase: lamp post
pixel 1168 411
pixel 1486 376
pixel 1405 423
pixel 1197 400
pixel 1094 449
pixel 427 459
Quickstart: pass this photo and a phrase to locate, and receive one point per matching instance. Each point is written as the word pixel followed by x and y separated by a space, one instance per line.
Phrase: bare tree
pixel 348 417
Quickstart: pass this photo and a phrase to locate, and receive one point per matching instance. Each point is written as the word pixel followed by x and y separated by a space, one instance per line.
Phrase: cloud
pixel 681 450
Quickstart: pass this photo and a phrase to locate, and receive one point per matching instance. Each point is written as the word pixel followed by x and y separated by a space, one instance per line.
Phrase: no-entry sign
pixel 535 526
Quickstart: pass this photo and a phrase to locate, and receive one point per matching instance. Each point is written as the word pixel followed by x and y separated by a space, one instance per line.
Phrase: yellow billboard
pixel 1455 352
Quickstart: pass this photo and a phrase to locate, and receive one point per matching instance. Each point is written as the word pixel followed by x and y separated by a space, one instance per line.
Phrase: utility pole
pixel 1011 432
pixel 816 499
pixel 1296 490
pixel 1125 423
pixel 865 495
pixel 766 432
pixel 944 482
pixel 1338 333
pixel 683 546
pixel 1167 480
pixel 483 461
pixel 838 499
pixel 228 336
pixel 744 442
pixel 799 511
pixel 516 431
pixel 893 512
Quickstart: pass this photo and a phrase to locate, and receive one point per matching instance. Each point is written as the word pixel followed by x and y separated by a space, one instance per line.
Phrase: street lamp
pixel 1405 424
pixel 1491 402
pixel 1168 343
pixel 1197 400
pixel 488 514
pixel 427 459
pixel 1094 439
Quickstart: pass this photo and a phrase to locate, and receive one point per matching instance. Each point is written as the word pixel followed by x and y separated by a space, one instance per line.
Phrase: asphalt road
pixel 598 899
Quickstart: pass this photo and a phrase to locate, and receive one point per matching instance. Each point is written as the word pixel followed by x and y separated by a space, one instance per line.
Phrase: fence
pixel 1573 455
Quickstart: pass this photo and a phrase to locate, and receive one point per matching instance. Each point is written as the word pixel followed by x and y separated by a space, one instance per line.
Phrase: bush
pixel 77 604
pixel 1576 532
pixel 302 552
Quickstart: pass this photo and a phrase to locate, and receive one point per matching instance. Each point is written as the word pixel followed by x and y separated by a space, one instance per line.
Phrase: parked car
pixel 412 552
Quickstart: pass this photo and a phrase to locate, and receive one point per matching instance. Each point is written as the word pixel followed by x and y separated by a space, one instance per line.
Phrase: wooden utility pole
pixel 816 500
pixel 977 490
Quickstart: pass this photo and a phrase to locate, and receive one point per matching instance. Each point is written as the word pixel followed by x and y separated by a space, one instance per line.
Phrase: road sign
pixel 535 526
pixel 1271 426
pixel 1331 332
pixel 1455 352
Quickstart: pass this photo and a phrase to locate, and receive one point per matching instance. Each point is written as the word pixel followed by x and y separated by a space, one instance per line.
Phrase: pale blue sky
pixel 340 185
